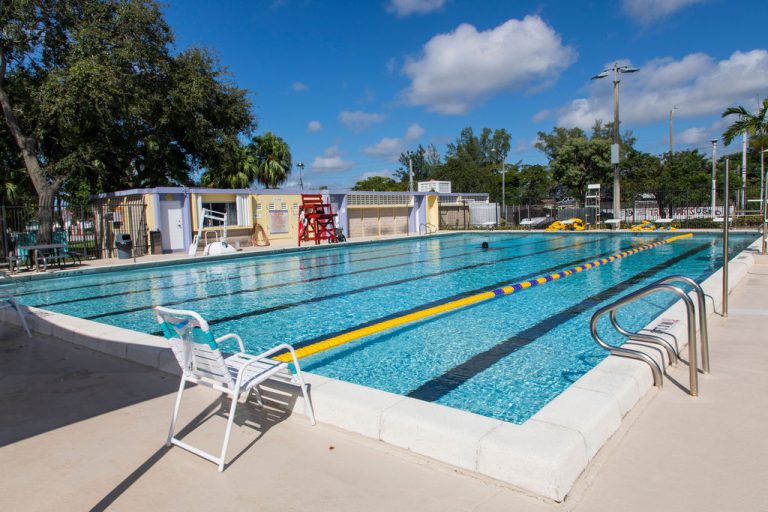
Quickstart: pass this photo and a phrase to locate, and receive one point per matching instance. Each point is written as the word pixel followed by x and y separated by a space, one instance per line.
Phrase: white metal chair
pixel 201 361
pixel 7 300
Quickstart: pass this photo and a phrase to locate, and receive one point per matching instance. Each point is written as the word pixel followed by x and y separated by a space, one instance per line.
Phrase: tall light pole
pixel 300 165
pixel 410 172
pixel 617 71
pixel 744 170
pixel 714 182
pixel 503 170
pixel 671 117
pixel 764 196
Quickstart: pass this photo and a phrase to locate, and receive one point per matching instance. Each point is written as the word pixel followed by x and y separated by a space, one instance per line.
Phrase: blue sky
pixel 351 84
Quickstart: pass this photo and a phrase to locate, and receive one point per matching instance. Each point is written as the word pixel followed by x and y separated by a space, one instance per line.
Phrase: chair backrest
pixel 23 239
pixel 193 345
pixel 60 237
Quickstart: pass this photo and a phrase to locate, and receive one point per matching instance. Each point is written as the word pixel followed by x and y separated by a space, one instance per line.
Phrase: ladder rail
pixel 647 338
pixel 700 299
pixel 658 286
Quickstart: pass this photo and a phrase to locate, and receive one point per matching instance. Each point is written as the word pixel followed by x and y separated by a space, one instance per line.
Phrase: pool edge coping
pixel 544 455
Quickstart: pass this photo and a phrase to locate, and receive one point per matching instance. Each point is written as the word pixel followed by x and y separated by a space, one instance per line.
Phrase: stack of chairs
pixel 317 221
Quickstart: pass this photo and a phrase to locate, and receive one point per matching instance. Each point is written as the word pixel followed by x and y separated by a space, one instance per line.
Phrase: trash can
pixel 124 246
pixel 155 242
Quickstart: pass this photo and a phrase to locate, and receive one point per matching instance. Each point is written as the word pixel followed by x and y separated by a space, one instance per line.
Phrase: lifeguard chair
pixel 592 203
pixel 317 221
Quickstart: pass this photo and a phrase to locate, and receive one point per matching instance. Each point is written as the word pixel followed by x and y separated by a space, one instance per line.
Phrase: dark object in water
pixel 484 245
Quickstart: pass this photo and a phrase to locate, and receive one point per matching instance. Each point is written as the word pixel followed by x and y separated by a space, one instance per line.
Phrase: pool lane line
pixel 311 280
pixel 460 303
pixel 300 256
pixel 456 296
pixel 289 305
pixel 257 274
pixel 436 388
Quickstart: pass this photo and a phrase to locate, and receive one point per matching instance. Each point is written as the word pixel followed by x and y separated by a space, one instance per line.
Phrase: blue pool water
pixel 504 358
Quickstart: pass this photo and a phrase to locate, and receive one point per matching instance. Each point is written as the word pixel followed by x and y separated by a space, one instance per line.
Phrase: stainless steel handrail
pixel 703 333
pixel 634 354
pixel 648 338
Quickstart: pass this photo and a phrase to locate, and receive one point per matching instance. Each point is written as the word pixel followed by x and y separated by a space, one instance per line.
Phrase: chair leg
pixel 175 411
pixel 308 408
pixel 231 420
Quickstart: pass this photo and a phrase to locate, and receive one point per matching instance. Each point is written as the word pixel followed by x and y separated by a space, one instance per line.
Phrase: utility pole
pixel 671 116
pixel 714 182
pixel 617 71
pixel 410 173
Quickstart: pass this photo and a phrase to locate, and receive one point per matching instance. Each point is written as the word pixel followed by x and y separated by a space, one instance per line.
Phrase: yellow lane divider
pixel 460 303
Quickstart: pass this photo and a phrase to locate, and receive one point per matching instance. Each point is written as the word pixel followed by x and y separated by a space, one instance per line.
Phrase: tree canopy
pixel 94 99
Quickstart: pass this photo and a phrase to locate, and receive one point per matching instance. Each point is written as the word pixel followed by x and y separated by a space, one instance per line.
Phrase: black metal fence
pixel 691 208
pixel 89 230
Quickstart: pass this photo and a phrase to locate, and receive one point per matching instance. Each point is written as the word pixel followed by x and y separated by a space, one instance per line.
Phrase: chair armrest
pixel 230 336
pixel 241 371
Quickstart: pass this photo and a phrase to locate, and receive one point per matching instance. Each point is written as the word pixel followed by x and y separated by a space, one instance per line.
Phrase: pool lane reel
pixel 356 334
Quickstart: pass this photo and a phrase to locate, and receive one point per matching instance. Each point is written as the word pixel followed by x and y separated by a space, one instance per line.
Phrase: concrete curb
pixel 545 455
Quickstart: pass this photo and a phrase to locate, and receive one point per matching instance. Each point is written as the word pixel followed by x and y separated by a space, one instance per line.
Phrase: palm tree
pixel 239 171
pixel 755 125
pixel 273 157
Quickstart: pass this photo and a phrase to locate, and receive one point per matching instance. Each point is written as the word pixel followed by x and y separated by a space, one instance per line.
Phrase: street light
pixel 764 194
pixel 300 165
pixel 503 183
pixel 617 70
pixel 714 182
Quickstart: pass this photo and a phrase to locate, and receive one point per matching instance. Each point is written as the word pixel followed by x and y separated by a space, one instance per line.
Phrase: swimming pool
pixel 504 358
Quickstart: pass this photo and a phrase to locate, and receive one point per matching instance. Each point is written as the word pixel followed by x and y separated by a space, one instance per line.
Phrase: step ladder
pixel 662 285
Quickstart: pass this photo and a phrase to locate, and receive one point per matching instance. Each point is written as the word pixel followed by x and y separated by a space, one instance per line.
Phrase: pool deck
pixel 83 430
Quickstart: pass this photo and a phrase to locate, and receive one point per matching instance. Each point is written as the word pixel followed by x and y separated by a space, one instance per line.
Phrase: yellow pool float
pixel 573 224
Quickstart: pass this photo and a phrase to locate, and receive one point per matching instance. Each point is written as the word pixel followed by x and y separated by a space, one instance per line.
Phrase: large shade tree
pixel 94 98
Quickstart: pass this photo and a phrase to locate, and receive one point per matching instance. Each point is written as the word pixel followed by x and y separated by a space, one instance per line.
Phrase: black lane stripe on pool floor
pixel 318 278
pixel 440 386
pixel 461 295
pixel 263 274
pixel 313 300
pixel 292 258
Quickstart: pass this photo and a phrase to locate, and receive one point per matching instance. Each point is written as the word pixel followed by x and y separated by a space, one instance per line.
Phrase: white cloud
pixel 697 84
pixel 695 136
pixel 358 120
pixel 392 65
pixel 541 116
pixel 415 132
pixel 524 145
pixel 331 161
pixel 299 86
pixel 388 148
pixel 646 11
pixel 459 69
pixel 314 126
pixel 384 173
pixel 407 7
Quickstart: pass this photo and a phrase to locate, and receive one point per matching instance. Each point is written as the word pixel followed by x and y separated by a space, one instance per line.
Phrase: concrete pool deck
pixel 544 455
pixel 84 430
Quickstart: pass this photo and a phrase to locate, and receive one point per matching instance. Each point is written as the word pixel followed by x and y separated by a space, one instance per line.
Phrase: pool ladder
pixel 661 285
